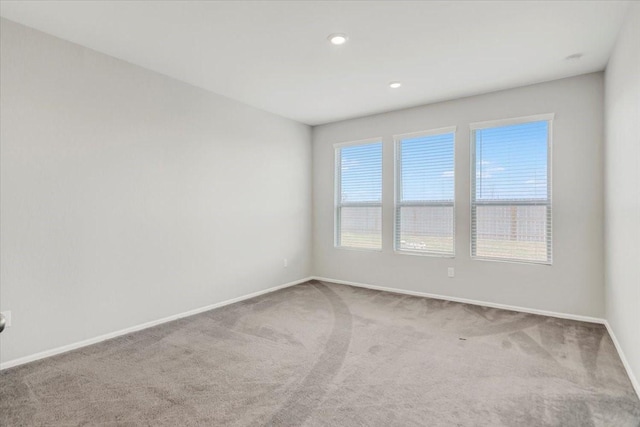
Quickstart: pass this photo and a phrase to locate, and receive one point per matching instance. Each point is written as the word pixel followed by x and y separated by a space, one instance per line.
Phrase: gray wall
pixel 574 284
pixel 128 196
pixel 622 178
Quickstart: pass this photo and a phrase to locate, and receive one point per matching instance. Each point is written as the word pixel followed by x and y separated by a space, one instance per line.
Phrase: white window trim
pixel 549 117
pixel 396 191
pixel 337 203
pixel 512 121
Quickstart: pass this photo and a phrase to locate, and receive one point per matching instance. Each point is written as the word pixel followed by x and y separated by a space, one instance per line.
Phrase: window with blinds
pixel 425 181
pixel 358 207
pixel 511 190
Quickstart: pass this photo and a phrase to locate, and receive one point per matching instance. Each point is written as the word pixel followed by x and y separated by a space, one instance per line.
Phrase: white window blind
pixel 511 190
pixel 425 180
pixel 358 212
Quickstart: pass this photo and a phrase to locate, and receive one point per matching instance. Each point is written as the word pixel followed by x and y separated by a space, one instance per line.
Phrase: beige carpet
pixel 321 354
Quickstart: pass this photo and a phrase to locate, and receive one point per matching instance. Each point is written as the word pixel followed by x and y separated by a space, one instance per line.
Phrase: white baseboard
pixel 625 362
pixel 95 340
pixel 467 301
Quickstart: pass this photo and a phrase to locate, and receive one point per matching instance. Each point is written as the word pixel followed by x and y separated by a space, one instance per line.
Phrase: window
pixel 511 190
pixel 425 178
pixel 358 212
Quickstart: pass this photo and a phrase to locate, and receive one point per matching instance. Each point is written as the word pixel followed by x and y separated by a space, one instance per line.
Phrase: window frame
pixel 473 127
pixel 397 187
pixel 337 192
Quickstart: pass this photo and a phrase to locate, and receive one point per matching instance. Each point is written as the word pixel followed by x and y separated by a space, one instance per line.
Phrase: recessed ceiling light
pixel 338 38
pixel 574 56
pixel 395 85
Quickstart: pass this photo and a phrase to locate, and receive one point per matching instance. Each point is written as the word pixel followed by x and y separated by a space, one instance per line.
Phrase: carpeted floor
pixel 320 354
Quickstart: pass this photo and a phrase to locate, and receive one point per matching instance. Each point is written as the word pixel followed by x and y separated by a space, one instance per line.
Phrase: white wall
pixel 574 284
pixel 622 185
pixel 128 196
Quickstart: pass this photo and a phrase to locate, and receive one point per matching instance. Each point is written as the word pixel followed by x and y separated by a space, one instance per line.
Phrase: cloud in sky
pixel 489 172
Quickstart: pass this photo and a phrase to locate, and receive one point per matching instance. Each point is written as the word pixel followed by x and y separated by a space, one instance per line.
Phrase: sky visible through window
pixel 361 173
pixel 511 162
pixel 427 168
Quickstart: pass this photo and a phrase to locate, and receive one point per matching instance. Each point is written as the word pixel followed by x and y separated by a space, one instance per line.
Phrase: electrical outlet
pixel 7 318
pixel 286 263
pixel 451 272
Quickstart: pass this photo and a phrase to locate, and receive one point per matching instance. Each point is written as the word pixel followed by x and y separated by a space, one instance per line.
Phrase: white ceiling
pixel 275 55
